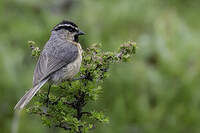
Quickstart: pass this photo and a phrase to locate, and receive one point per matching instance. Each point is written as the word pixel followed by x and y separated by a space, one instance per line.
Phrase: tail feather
pixel 29 95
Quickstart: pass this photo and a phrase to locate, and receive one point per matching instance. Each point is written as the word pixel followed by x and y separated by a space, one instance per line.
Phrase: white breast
pixel 69 71
pixel 73 68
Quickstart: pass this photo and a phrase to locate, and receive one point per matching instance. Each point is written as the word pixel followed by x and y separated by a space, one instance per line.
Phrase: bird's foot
pixel 80 78
pixel 47 102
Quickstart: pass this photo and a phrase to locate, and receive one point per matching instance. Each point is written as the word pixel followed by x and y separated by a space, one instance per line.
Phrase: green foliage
pixel 158 93
pixel 35 50
pixel 67 105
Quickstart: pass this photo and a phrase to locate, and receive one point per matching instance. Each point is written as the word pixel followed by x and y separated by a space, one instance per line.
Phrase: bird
pixel 59 61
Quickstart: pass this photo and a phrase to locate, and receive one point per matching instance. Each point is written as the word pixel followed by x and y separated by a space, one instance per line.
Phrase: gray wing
pixel 53 58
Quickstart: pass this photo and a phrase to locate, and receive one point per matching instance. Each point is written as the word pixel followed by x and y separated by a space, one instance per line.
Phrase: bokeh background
pixel 158 92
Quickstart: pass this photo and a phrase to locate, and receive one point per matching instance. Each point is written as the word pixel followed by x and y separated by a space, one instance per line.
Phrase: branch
pixel 63 125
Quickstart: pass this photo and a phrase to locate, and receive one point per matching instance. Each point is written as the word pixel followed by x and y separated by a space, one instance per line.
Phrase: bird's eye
pixel 70 29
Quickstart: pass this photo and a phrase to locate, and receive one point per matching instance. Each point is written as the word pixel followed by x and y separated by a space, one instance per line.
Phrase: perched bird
pixel 60 59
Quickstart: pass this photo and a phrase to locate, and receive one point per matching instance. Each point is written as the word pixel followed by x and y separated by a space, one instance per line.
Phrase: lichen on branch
pixel 67 102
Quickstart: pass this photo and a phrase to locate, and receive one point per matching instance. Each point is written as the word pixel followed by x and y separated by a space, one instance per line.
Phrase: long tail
pixel 29 95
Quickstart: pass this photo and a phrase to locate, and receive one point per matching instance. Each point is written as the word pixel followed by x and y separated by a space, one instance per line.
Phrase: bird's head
pixel 68 30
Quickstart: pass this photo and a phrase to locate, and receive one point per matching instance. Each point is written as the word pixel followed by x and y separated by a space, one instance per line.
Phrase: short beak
pixel 80 33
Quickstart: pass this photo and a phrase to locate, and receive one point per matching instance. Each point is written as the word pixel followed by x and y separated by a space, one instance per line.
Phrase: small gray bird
pixel 59 60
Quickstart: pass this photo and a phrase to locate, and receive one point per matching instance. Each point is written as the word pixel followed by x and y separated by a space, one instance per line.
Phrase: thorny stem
pixel 80 78
pixel 63 125
pixel 78 105
pixel 80 101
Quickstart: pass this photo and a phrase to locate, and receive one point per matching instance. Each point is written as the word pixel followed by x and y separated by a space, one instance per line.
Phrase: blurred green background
pixel 158 92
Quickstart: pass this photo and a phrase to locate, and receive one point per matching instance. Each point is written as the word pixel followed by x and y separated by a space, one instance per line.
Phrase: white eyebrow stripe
pixel 68 25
